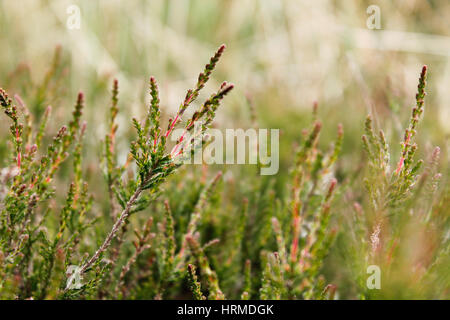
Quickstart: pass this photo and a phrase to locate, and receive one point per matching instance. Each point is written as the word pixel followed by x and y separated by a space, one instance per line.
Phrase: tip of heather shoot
pixel 218 176
pixel 83 127
pixel 5 101
pixel 315 109
pixel 331 188
pixel 61 131
pixel 226 88
pixel 317 125
pixel 424 71
pixel 421 88
pixel 436 152
pixel 340 129
pixel 115 91
pixel 80 97
pixel 220 51
pixel 417 111
pixel 316 129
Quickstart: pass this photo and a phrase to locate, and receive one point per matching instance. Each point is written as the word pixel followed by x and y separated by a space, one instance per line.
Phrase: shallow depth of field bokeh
pixel 282 56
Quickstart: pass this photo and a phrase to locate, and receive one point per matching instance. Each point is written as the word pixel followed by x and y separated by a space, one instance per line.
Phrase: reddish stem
pixel 294 246
pixel 19 156
pixel 402 159
pixel 172 125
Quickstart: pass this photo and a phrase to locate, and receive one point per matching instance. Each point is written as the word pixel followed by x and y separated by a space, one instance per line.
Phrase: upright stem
pixel 113 231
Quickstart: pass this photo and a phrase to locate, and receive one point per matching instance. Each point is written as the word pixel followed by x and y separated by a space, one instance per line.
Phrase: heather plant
pixel 403 204
pixel 26 246
pixel 304 237
pixel 158 229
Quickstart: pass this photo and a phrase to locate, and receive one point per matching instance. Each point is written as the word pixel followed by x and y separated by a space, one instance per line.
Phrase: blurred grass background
pixel 282 56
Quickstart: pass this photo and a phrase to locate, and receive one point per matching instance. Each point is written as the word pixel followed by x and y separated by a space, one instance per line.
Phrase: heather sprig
pixel 194 284
pixel 203 77
pixel 169 253
pixel 408 149
pixel 112 172
pixel 148 151
pixel 154 114
pixel 293 270
pixel 389 188
pixel 31 186
pixel 399 200
pixel 246 294
pixel 16 127
pixel 209 275
pixel 273 287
